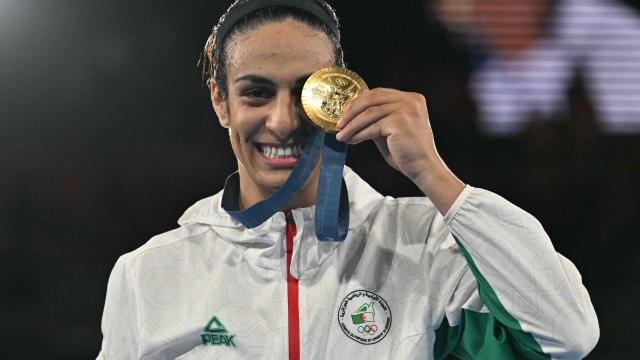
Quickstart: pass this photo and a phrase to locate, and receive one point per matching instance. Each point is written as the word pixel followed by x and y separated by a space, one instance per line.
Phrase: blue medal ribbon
pixel 329 225
pixel 334 153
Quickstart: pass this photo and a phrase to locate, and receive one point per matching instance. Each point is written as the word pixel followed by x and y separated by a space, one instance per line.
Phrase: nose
pixel 283 120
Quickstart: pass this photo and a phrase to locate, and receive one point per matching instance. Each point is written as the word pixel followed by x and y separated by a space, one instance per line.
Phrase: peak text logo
pixel 216 334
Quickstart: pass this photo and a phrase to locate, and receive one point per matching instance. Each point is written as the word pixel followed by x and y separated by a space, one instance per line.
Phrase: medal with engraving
pixel 327 92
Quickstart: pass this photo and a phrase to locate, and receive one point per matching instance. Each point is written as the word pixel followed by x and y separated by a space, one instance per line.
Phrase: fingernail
pixel 340 122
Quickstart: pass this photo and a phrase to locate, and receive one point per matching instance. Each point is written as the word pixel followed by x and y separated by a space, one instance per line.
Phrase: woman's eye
pixel 258 94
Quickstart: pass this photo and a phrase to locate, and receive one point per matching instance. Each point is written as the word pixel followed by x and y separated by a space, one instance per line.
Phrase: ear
pixel 219 105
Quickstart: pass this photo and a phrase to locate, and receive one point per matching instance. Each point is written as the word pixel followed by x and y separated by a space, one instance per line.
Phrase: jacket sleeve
pixel 532 301
pixel 120 321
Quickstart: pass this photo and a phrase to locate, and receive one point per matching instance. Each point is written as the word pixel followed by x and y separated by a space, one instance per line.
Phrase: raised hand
pixel 398 122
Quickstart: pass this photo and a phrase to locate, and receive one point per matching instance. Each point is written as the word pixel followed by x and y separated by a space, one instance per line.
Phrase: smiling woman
pixel 257 98
pixel 460 270
pixel 263 109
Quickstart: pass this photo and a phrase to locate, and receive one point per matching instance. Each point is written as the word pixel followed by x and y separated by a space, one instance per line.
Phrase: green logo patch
pixel 365 313
pixel 217 334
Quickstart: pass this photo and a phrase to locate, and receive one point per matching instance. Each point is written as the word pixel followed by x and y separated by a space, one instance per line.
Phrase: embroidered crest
pixel 364 317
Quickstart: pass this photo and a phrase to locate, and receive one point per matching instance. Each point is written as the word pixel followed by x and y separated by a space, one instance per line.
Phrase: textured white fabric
pixel 161 296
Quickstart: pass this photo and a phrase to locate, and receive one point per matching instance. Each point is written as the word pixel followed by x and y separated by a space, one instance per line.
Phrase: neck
pixel 251 193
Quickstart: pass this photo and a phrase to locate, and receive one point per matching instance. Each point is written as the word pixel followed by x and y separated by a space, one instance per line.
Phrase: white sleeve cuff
pixel 457 204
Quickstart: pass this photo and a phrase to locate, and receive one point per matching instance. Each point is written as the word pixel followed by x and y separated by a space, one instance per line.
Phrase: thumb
pixel 381 143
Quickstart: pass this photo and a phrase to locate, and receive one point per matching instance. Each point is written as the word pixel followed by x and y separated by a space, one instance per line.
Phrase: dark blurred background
pixel 107 136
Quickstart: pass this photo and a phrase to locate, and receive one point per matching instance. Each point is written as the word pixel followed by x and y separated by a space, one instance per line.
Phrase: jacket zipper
pixel 292 293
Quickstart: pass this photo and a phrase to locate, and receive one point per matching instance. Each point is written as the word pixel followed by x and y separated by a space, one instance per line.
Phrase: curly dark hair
pixel 214 61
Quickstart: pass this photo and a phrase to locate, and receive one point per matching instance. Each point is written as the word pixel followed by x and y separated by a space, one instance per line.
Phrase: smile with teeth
pixel 281 152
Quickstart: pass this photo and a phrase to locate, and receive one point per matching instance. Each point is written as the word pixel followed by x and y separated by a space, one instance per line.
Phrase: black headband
pixel 243 9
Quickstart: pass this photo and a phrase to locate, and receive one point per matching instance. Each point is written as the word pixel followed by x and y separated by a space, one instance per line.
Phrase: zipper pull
pixel 289 217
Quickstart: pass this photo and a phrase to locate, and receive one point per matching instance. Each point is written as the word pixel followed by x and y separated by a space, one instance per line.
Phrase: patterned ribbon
pixel 329 227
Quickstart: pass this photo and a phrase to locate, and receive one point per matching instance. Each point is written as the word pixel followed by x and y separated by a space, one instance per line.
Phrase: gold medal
pixel 327 92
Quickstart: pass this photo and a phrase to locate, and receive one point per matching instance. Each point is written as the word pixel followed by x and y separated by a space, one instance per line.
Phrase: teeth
pixel 274 152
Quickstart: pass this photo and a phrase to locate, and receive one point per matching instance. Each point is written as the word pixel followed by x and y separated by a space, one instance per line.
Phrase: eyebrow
pixel 265 81
pixel 301 80
pixel 254 78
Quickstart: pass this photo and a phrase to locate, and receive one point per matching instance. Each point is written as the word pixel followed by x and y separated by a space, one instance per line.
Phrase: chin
pixel 271 181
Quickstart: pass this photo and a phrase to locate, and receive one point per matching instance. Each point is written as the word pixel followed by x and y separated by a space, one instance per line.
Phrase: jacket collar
pixel 363 199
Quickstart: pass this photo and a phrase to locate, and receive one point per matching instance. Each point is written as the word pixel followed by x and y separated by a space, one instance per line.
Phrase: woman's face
pixel 266 70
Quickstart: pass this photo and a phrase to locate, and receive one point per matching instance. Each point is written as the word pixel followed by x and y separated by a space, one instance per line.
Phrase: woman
pixel 460 270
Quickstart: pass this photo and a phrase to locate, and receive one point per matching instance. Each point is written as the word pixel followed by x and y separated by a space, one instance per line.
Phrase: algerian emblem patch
pixel 364 317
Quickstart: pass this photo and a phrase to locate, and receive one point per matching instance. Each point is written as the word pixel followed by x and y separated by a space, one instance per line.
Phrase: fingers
pixel 369 98
pixel 367 125
pixel 370 132
pixel 381 112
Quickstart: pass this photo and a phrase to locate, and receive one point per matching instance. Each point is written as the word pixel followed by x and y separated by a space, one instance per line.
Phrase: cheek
pixel 243 129
pixel 241 148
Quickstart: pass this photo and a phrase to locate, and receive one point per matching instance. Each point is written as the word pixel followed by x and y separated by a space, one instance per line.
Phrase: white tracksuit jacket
pixel 484 282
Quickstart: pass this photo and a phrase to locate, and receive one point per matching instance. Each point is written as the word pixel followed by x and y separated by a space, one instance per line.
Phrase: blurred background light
pixel 530 52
